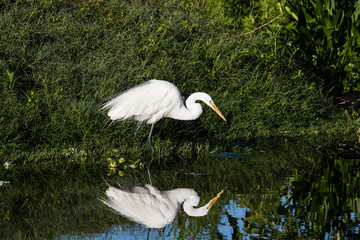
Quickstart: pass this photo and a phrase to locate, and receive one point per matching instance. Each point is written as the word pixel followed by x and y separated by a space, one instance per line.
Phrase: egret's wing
pixel 147 102
pixel 140 207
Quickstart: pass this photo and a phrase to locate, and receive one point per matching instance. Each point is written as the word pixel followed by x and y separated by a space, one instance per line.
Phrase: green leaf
pixel 133 166
pixel 292 13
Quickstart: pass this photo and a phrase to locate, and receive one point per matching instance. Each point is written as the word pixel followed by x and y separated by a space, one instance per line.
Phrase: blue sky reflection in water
pixel 280 190
pixel 317 197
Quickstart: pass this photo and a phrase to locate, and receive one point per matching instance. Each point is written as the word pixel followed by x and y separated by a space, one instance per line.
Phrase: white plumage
pixel 154 100
pixel 148 102
pixel 153 208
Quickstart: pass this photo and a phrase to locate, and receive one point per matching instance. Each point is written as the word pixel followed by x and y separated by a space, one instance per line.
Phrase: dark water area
pixel 273 189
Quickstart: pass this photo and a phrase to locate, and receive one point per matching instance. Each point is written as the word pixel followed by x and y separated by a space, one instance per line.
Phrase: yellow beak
pixel 212 201
pixel 217 110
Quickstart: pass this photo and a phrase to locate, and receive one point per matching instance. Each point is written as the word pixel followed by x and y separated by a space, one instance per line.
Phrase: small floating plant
pixel 121 166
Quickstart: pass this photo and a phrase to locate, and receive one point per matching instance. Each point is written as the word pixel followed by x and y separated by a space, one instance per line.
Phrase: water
pixel 278 189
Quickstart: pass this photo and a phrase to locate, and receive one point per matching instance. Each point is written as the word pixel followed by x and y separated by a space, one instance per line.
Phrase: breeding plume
pixel 153 208
pixel 154 100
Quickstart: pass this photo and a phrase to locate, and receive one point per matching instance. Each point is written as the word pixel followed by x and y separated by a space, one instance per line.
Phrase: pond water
pixel 273 189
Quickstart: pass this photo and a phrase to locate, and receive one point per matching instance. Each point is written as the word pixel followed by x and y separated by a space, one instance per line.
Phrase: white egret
pixel 154 100
pixel 153 208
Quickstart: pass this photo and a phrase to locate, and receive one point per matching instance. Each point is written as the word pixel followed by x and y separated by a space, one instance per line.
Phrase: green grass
pixel 60 60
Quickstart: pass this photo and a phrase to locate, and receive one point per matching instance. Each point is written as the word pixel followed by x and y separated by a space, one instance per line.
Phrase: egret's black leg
pixel 153 152
pixel 148 234
pixel 149 139
pixel 148 170
pixel 136 137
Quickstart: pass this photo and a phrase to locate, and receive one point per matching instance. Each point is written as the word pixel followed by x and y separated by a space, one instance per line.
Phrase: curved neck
pixel 189 198
pixel 195 212
pixel 191 111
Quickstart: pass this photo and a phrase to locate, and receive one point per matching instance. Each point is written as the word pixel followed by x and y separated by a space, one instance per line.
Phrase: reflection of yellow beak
pixel 217 110
pixel 212 201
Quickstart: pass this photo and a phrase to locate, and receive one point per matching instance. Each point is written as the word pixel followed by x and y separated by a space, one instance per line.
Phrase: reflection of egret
pixel 350 101
pixel 153 208
pixel 155 100
pixel 348 150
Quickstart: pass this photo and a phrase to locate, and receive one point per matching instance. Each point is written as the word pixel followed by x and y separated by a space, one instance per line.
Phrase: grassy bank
pixel 60 60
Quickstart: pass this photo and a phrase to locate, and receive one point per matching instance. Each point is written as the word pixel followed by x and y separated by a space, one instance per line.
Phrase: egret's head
pixel 192 201
pixel 208 100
